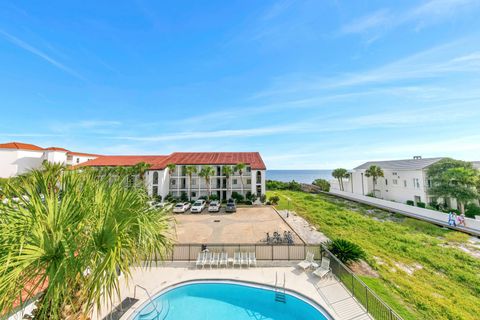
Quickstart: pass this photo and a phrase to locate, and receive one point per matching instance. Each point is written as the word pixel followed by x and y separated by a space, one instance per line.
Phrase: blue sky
pixel 309 84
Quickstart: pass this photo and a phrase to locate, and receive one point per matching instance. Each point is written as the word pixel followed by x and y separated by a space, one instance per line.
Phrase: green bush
pixel 421 204
pixel 237 196
pixel 345 251
pixel 323 184
pixel 213 197
pixel 279 185
pixel 184 196
pixel 250 196
pixel 410 202
pixel 274 200
pixel 472 210
pixel 263 198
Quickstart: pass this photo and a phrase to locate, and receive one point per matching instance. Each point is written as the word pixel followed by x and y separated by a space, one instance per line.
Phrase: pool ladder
pixel 154 313
pixel 280 290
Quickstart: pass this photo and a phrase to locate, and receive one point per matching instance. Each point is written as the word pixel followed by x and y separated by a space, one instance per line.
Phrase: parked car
pixel 231 207
pixel 214 206
pixel 181 207
pixel 198 206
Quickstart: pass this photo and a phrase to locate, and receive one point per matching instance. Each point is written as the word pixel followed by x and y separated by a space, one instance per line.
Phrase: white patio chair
pixel 223 259
pixel 244 258
pixel 307 263
pixel 207 258
pixel 324 268
pixel 200 258
pixel 252 259
pixel 237 259
pixel 215 259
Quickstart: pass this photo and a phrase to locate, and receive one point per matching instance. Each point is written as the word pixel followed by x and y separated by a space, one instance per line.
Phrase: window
pixel 249 169
pixel 416 183
pixel 78 160
pixel 386 182
pixel 194 194
pixel 405 183
pixel 234 181
pixel 173 181
pixel 194 182
pixel 249 181
pixel 395 181
pixel 155 177
pixel 155 190
pixel 394 174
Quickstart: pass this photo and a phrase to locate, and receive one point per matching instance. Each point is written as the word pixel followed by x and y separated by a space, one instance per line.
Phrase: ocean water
pixel 305 176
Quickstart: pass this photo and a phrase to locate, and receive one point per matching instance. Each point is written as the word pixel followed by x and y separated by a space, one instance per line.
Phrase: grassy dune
pixel 422 275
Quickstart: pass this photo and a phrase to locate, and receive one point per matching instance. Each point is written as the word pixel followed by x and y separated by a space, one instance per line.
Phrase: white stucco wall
pixel 14 162
pixel 8 163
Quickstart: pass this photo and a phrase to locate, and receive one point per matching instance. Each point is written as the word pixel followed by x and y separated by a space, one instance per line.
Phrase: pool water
pixel 215 301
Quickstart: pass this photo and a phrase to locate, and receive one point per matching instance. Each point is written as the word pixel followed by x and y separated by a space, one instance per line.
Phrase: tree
pixel 339 174
pixel 239 167
pixel 375 172
pixel 227 172
pixel 346 251
pixel 140 169
pixel 456 179
pixel 190 171
pixel 171 168
pixel 71 241
pixel 207 172
pixel 323 184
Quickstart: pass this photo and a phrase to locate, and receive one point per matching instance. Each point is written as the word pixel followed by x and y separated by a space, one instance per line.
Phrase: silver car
pixel 198 206
pixel 214 206
pixel 181 207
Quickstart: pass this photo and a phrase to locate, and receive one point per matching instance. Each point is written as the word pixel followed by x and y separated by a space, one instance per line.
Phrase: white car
pixel 214 206
pixel 198 206
pixel 181 207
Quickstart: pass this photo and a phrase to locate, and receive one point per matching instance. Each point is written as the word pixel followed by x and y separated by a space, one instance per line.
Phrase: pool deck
pixel 328 293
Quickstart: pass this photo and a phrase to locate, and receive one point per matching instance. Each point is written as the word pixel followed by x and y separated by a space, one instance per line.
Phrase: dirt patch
pixel 362 268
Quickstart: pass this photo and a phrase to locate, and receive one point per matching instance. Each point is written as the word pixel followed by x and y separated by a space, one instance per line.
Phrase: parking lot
pixel 247 225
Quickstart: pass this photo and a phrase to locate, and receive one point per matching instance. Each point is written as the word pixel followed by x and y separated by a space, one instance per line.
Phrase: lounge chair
pixel 252 260
pixel 307 263
pixel 237 259
pixel 200 258
pixel 207 258
pixel 215 259
pixel 244 258
pixel 324 268
pixel 223 259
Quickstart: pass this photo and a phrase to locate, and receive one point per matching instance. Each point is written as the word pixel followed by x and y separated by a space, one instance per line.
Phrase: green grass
pixel 447 286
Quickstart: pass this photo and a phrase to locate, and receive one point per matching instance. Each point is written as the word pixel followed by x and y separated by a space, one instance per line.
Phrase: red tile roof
pixel 251 158
pixel 114 161
pixel 56 149
pixel 82 154
pixel 182 158
pixel 20 146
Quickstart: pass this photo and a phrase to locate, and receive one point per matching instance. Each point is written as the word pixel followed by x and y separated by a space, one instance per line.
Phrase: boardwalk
pixel 436 217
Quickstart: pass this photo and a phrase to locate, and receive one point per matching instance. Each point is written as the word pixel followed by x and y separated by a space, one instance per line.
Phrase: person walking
pixel 461 220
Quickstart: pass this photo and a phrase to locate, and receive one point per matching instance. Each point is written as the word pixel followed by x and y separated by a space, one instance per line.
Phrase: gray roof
pixel 408 164
pixel 476 164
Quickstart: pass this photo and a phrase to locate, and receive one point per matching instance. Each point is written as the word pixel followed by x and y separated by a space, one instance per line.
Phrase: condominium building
pixel 160 180
pixel 17 158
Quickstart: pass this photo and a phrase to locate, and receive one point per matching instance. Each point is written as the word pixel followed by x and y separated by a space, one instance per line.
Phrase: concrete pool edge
pixel 142 303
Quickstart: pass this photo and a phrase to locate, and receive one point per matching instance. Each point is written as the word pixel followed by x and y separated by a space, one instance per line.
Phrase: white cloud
pixel 22 44
pixel 377 19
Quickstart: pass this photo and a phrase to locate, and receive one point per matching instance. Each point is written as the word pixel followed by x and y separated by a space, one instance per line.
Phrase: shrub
pixel 421 204
pixel 371 194
pixel 472 210
pixel 279 185
pixel 410 202
pixel 250 196
pixel 213 197
pixel 184 196
pixel 263 198
pixel 248 202
pixel 323 184
pixel 345 251
pixel 237 196
pixel 274 200
pixel 169 198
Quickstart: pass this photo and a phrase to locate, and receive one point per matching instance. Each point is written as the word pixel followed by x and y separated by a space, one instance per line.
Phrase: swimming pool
pixel 226 300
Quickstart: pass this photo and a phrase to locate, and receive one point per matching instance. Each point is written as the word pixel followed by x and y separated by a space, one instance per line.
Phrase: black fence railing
pixel 372 303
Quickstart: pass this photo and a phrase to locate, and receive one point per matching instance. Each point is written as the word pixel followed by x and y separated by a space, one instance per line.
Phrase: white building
pixel 161 181
pixel 17 158
pixel 403 180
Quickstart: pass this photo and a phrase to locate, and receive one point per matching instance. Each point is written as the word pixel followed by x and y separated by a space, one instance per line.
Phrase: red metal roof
pixel 182 158
pixel 20 146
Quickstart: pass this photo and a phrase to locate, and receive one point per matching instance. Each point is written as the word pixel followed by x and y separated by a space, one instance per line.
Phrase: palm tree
pixel 374 172
pixel 54 235
pixel 339 174
pixel 227 172
pixel 207 172
pixel 140 169
pixel 190 170
pixel 171 168
pixel 239 167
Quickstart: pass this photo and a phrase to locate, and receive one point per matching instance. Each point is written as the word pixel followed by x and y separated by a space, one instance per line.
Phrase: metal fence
pixel 358 289
pixel 263 252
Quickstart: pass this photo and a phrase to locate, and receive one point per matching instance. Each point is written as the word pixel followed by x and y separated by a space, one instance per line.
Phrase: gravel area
pixel 307 232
